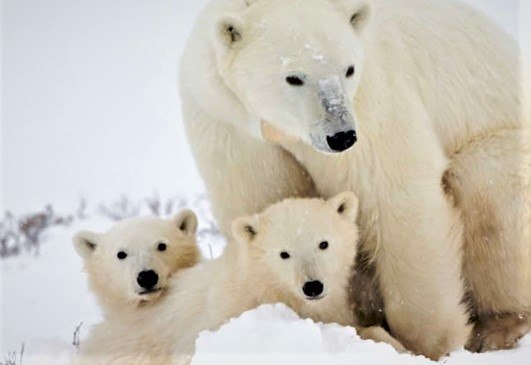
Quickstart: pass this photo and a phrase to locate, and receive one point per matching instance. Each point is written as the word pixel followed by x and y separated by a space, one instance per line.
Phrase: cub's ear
pixel 346 204
pixel 229 30
pixel 186 221
pixel 245 229
pixel 86 242
pixel 358 11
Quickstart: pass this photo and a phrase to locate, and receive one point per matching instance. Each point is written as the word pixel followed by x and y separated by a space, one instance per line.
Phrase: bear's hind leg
pixel 498 332
pixel 489 179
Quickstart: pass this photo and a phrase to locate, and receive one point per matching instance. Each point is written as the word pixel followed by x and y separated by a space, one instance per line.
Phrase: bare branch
pixel 120 209
pixel 77 335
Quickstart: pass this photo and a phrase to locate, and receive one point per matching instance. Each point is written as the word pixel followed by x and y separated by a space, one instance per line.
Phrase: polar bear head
pixel 295 65
pixel 132 262
pixel 303 248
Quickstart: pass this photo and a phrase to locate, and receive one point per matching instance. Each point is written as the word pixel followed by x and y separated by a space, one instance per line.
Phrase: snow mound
pixel 274 334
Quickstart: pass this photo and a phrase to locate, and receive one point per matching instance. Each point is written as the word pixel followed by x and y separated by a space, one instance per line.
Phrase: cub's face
pixel 304 247
pixel 296 65
pixel 133 261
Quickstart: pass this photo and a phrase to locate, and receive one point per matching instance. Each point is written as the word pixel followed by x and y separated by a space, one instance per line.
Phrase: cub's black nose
pixel 147 279
pixel 342 141
pixel 313 289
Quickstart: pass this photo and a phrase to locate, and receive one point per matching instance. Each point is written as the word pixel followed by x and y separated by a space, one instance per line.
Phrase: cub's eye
pixel 350 71
pixel 294 81
pixel 284 255
pixel 162 247
pixel 121 255
pixel 323 245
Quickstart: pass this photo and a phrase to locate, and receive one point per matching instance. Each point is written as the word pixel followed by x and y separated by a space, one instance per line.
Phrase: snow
pixel 90 108
pixel 274 334
pixel 285 61
pixel 45 297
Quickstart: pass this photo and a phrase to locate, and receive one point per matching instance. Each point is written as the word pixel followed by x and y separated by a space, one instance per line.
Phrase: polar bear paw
pixel 499 332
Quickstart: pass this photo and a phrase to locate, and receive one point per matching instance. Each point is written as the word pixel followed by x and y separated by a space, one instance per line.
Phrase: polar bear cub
pixel 299 252
pixel 131 264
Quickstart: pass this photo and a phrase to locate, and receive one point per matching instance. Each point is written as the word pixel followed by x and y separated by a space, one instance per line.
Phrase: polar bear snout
pixel 342 141
pixel 335 129
pixel 147 280
pixel 313 289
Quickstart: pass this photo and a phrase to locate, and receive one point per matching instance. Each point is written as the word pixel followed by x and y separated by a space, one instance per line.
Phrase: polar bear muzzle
pixel 335 131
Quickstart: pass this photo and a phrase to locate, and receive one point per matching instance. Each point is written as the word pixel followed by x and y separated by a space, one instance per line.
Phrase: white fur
pixel 435 93
pixel 249 273
pixel 114 280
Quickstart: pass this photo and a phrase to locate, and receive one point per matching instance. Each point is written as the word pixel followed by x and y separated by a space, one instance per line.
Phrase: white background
pixel 89 98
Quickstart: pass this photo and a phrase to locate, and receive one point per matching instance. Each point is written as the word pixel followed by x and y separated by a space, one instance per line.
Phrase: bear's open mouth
pixel 150 291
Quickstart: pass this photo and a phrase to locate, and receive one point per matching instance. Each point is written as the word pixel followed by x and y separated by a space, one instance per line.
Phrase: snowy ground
pixel 76 73
pixel 46 297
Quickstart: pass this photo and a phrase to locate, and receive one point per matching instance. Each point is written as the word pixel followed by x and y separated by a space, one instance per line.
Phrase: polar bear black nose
pixel 147 279
pixel 342 141
pixel 313 289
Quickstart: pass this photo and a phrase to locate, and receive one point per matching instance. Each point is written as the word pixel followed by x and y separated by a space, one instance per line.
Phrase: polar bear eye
pixel 294 80
pixel 284 255
pixel 121 255
pixel 323 245
pixel 350 71
pixel 162 247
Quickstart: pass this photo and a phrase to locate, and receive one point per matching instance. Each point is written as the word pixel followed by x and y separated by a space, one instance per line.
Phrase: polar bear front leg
pixel 243 175
pixel 419 268
pixel 419 236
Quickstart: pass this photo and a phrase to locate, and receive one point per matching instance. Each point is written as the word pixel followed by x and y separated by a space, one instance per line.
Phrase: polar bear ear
pixel 361 15
pixel 229 29
pixel 186 221
pixel 346 204
pixel 245 229
pixel 359 11
pixel 86 242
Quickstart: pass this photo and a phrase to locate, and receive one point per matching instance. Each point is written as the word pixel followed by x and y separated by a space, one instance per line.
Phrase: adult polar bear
pixel 274 90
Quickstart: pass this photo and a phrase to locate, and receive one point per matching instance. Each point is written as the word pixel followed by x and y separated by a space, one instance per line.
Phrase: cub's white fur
pixel 148 244
pixel 250 272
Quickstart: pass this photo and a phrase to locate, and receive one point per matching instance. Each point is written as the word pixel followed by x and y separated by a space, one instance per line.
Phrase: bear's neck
pixel 119 308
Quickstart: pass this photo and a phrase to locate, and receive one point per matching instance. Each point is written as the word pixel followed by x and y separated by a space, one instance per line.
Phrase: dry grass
pixel 120 209
pixel 161 208
pixel 76 337
pixel 13 358
pixel 25 233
